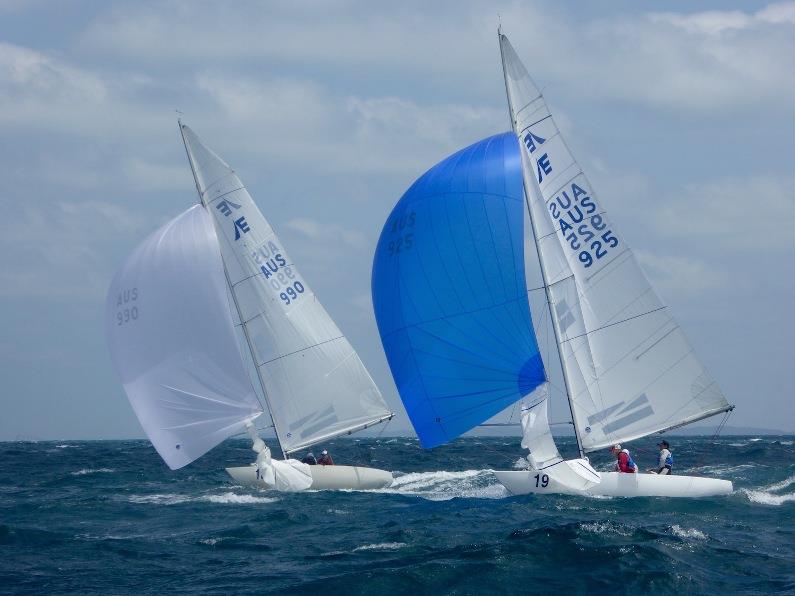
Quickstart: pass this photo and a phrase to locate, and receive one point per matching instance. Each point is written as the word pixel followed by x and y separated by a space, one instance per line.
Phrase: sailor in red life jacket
pixel 624 461
pixel 325 459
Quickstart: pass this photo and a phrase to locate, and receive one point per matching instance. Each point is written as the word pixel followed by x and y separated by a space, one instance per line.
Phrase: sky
pixel 681 114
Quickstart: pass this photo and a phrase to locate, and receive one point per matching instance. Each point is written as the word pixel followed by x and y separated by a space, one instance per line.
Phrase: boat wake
pixel 443 486
pixel 771 495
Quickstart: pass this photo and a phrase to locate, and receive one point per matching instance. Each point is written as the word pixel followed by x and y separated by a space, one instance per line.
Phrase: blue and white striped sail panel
pixel 450 295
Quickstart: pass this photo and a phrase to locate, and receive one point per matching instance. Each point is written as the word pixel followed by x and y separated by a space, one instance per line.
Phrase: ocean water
pixel 108 517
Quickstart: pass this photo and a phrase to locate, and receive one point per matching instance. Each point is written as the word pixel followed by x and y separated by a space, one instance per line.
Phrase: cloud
pixel 682 277
pixel 62 246
pixel 326 234
pixel 694 61
pixel 307 124
pixel 733 215
pixel 33 85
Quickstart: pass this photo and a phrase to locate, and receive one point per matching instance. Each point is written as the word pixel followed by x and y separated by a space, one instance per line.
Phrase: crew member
pixel 325 459
pixel 666 461
pixel 624 461
pixel 309 458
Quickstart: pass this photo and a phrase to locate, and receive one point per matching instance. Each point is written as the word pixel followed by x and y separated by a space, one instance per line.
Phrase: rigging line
pixel 380 434
pixel 529 126
pixel 613 324
pixel 302 350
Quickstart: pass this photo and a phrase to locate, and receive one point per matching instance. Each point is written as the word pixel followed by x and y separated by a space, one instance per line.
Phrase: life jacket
pixel 669 461
pixel 630 462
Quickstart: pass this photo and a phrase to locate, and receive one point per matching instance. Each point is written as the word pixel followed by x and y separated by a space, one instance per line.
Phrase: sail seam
pixel 445 317
pixel 214 199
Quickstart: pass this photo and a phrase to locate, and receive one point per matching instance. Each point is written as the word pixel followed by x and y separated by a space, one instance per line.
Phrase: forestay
pixel 315 383
pixel 629 367
pixel 450 295
pixel 172 342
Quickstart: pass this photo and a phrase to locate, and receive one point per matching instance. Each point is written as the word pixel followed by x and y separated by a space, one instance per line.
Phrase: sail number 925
pixel 402 236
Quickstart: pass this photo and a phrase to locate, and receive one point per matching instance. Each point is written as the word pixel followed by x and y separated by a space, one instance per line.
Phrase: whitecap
pixel 766 498
pixel 605 527
pixel 237 499
pixel 681 532
pixel 783 484
pixel 159 499
pixel 767 495
pixel 210 541
pixel 176 499
pixel 380 546
pixel 85 471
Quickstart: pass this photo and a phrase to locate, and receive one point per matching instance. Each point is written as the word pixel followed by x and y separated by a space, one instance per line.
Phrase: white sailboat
pixel 172 310
pixel 628 368
pixel 451 301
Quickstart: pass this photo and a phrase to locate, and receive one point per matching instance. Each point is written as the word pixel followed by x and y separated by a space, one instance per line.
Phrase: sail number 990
pixel 292 292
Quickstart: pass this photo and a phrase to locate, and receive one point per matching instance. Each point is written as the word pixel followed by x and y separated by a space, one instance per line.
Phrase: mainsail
pixel 314 382
pixel 629 368
pixel 450 294
pixel 172 342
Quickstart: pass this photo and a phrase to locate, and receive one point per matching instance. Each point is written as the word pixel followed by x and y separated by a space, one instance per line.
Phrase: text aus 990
pixel 126 309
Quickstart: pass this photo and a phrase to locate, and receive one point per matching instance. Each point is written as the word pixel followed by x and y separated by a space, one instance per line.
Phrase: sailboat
pixel 200 298
pixel 450 294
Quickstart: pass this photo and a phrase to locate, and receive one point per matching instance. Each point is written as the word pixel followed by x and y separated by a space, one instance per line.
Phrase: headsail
pixel 630 369
pixel 316 385
pixel 450 295
pixel 172 342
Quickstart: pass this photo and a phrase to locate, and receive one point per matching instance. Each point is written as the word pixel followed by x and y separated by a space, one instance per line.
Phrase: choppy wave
pixel 606 527
pixel 681 532
pixel 76 527
pixel 770 495
pixel 86 471
pixel 380 546
pixel 176 499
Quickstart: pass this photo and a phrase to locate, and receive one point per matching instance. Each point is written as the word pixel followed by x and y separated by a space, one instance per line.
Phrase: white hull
pixel 325 477
pixel 616 484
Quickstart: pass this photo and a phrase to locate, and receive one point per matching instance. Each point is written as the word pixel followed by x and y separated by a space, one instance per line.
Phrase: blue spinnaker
pixel 450 295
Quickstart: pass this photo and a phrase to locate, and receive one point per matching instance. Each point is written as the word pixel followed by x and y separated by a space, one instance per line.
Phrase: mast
pixel 544 276
pixel 234 298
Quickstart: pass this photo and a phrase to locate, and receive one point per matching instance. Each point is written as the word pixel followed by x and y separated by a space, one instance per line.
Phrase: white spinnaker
pixel 316 385
pixel 630 369
pixel 172 341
